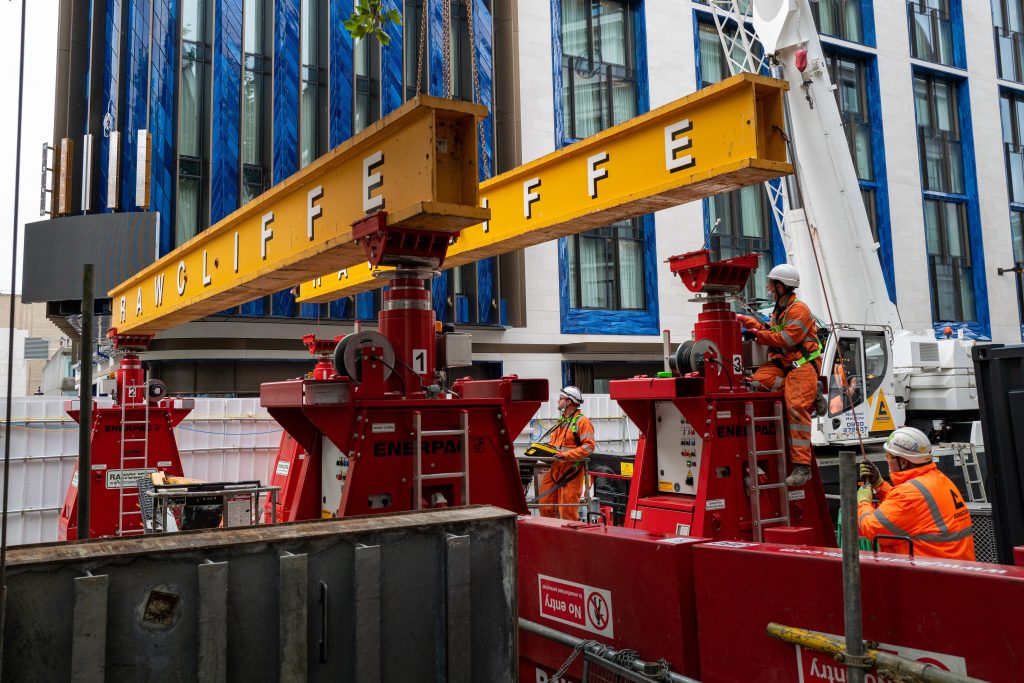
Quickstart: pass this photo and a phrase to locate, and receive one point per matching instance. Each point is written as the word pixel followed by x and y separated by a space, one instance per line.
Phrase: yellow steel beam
pixel 721 138
pixel 418 164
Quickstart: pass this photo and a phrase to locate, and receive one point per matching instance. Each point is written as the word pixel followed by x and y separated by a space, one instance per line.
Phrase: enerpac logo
pixel 383 449
pixel 577 605
pixel 741 430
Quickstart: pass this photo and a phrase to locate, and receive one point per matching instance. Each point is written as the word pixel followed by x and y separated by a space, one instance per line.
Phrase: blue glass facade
pixel 135 91
pixel 340 74
pixel 161 116
pixel 227 108
pixel 111 87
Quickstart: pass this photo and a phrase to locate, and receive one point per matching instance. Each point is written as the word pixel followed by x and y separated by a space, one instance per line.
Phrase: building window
pixel 1017 235
pixel 606 267
pixel 598 66
pixel 739 222
pixel 195 48
pixel 367 74
pixel 599 90
pixel 931 31
pixel 942 170
pixel 254 85
pixel 311 85
pixel 938 130
pixel 1008 25
pixel 849 74
pixel 1011 107
pixel 839 18
pixel 949 260
pixel 415 54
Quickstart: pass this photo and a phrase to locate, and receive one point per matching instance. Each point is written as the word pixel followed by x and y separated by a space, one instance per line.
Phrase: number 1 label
pixel 419 361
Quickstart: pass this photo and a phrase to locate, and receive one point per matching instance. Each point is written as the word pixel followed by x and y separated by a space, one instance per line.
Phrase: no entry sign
pixel 576 604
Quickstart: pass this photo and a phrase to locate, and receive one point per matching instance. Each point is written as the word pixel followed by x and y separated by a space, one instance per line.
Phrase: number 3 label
pixel 419 361
pixel 737 364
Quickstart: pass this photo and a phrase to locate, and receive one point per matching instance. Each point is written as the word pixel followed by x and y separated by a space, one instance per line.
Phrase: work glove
pixel 870 473
pixel 864 494
pixel 749 335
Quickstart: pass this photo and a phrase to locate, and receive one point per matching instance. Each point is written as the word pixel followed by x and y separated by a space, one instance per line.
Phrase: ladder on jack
pixel 754 488
pixel 969 465
pixel 419 477
pixel 128 491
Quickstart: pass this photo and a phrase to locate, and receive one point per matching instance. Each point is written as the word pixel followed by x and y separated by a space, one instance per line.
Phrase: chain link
pixel 422 47
pixel 446 46
pixel 476 86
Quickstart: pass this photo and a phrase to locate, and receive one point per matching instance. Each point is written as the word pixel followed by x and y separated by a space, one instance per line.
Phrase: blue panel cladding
pixel 556 74
pixel 135 94
pixel 111 86
pixel 88 72
pixel 391 93
pixel 340 309
pixel 364 306
pixel 282 304
pixel 286 89
pixel 257 307
pixel 310 311
pixel 643 96
pixel 340 77
pixel 881 184
pixel 867 13
pixel 227 108
pixel 162 86
pixel 439 295
pixel 435 55
pixel 485 292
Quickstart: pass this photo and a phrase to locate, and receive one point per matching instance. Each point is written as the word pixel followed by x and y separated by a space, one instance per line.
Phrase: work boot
pixel 800 475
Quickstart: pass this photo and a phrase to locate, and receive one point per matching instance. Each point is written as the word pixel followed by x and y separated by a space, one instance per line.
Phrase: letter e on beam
pixel 675 143
pixel 371 181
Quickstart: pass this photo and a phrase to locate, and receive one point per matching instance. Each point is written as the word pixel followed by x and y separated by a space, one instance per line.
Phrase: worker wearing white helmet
pixel 922 504
pixel 793 363
pixel 560 487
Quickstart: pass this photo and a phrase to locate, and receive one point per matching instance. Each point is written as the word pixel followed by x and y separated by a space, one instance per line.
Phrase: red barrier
pixel 964 616
pixel 622 587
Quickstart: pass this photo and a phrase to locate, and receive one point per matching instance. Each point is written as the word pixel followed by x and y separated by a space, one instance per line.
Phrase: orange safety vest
pixel 925 506
pixel 792 338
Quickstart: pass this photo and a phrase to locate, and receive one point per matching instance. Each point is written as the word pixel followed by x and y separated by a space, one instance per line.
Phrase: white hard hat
pixel 909 443
pixel 786 274
pixel 573 394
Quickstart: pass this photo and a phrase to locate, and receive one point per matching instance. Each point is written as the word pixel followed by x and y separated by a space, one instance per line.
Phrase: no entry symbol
pixel 597 611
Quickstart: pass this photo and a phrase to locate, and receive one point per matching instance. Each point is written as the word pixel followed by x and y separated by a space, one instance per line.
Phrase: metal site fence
pixel 222 439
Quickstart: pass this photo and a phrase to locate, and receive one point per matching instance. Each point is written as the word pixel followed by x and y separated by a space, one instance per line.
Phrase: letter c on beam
pixel 182 277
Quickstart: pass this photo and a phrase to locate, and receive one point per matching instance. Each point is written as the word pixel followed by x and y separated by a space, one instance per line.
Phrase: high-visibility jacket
pixel 574 435
pixel 924 505
pixel 791 336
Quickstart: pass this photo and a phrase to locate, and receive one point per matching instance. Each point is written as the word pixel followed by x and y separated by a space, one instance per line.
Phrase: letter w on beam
pixel 723 137
pixel 419 163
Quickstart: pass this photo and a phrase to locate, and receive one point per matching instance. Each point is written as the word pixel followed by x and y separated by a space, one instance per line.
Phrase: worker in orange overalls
pixel 562 485
pixel 923 505
pixel 793 363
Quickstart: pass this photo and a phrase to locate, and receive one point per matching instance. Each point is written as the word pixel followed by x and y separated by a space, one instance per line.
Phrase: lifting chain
pixel 446 47
pixel 477 99
pixel 422 47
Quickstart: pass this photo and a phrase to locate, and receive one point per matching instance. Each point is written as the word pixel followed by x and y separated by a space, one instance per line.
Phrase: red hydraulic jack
pixel 130 440
pixel 383 433
pixel 712 459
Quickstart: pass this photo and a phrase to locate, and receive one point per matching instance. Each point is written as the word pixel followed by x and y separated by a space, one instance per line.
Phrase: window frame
pixel 843 20
pixel 951 13
pixel 201 54
pixel 256 65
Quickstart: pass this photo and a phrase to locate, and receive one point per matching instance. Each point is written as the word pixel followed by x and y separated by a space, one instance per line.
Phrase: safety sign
pixel 576 604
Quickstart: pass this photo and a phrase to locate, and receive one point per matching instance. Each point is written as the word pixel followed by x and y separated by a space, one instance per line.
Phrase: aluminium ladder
pixel 129 490
pixel 754 488
pixel 419 477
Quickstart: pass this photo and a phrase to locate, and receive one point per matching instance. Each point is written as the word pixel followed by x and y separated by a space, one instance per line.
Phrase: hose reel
pixel 689 356
pixel 348 354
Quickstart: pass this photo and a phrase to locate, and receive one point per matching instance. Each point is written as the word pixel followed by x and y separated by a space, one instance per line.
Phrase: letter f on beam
pixel 529 196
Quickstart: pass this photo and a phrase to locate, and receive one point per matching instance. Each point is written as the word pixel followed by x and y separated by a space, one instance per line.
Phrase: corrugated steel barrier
pixel 424 596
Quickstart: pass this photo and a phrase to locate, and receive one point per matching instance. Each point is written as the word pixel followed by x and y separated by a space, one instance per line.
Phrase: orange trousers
pixel 799 389
pixel 567 498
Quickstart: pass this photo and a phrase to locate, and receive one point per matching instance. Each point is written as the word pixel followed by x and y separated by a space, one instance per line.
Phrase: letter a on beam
pixel 594 173
pixel 138 302
pixel 529 196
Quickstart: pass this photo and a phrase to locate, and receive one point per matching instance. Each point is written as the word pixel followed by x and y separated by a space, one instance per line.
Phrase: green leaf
pixel 384 38
pixel 395 16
